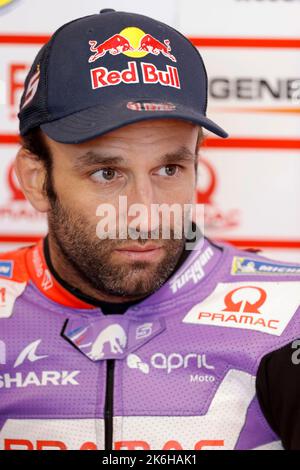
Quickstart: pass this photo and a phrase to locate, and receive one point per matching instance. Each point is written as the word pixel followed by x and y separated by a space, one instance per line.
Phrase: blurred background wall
pixel 249 182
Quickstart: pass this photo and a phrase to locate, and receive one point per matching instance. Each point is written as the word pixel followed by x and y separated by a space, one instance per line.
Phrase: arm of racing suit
pixel 278 393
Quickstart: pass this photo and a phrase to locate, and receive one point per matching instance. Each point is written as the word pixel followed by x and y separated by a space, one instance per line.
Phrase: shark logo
pixel 115 336
pixel 2 353
pixel 29 353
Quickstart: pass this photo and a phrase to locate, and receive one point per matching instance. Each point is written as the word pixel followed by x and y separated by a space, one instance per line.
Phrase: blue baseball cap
pixel 104 71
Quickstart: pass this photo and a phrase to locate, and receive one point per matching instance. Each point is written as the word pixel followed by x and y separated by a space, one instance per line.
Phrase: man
pixel 134 342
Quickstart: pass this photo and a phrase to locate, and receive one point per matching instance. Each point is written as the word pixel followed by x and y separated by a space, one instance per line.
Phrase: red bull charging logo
pixel 133 42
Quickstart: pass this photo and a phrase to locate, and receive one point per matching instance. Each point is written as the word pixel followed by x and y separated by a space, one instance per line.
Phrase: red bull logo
pixel 116 44
pixel 102 77
pixel 153 46
pixel 135 43
pixel 132 42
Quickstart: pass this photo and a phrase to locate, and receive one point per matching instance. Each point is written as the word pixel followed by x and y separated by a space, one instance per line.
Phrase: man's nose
pixel 142 205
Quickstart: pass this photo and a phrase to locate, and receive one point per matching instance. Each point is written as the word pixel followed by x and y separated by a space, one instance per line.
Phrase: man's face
pixel 151 162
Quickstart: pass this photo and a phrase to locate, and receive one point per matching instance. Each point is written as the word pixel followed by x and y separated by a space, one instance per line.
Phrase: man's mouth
pixel 149 252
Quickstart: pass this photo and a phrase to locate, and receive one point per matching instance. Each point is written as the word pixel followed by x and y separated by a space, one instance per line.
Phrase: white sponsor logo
pixel 134 362
pixel 29 353
pixel 37 263
pixel 43 379
pixel 169 362
pixel 143 331
pixel 263 306
pixel 2 353
pixel 193 273
pixel 115 336
pixel 47 281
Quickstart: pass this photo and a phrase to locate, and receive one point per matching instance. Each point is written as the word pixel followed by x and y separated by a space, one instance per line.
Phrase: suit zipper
pixel 109 403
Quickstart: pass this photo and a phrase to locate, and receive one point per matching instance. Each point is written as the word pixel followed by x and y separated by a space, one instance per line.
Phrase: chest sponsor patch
pixel 250 266
pixel 261 306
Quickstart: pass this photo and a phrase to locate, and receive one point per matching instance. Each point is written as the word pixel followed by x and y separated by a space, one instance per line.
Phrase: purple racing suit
pixel 177 370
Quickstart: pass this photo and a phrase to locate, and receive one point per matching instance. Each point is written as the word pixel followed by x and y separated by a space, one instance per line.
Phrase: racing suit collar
pixel 46 283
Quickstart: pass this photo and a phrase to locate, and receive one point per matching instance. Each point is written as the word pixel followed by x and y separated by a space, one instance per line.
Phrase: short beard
pixel 90 257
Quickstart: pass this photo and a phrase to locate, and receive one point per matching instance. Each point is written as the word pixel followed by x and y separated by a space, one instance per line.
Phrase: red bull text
pixel 150 74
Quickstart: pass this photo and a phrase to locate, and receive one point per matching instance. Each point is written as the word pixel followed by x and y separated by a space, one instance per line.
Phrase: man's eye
pixel 105 174
pixel 168 170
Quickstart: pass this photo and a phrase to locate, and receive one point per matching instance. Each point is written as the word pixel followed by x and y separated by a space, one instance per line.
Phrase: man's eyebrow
pixel 183 154
pixel 91 158
pixel 94 158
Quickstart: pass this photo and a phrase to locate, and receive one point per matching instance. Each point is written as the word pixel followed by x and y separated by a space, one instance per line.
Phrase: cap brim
pixel 98 120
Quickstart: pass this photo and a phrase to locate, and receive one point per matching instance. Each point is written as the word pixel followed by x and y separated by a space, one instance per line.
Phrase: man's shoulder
pixel 14 277
pixel 253 293
pixel 277 281
pixel 255 264
pixel 13 265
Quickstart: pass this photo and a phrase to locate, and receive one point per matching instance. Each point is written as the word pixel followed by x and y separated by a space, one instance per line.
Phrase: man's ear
pixel 31 174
